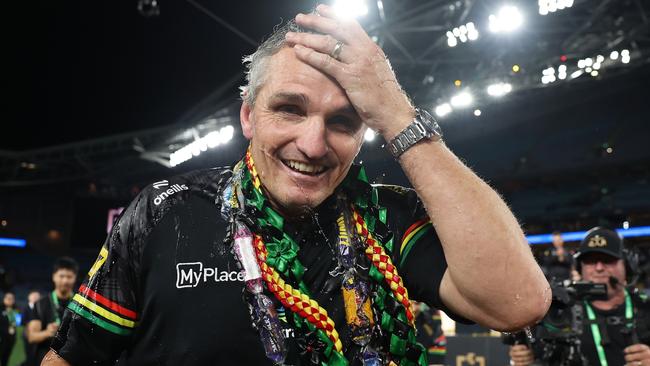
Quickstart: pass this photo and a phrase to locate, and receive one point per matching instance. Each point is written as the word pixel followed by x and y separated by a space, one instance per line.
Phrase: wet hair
pixel 256 64
pixel 65 263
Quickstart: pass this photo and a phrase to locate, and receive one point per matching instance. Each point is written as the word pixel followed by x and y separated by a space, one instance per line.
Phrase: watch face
pixel 429 122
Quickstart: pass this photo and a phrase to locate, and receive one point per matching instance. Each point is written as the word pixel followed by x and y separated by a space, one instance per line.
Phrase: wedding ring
pixel 336 52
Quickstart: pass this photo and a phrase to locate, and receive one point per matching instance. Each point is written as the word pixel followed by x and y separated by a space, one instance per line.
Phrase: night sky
pixel 74 70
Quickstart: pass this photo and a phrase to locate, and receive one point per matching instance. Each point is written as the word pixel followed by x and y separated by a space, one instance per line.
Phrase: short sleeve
pixel 101 316
pixel 416 250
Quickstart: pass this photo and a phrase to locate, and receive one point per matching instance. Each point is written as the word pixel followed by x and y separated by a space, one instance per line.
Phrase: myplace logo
pixel 193 273
pixel 168 192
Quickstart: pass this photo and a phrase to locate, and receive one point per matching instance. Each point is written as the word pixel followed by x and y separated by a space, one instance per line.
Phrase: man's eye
pixel 290 109
pixel 344 123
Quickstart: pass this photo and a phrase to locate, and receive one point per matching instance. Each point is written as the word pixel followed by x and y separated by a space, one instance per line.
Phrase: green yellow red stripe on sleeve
pixel 411 236
pixel 103 312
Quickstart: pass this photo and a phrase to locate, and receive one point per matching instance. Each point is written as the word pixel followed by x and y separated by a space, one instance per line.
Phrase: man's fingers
pixel 631 358
pixel 636 348
pixel 321 61
pixel 338 29
pixel 322 43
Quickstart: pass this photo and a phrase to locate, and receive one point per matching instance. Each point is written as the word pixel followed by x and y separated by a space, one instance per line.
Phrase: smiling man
pixel 329 262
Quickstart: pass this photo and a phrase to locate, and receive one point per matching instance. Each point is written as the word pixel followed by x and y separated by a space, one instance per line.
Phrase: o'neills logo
pixel 193 273
pixel 171 190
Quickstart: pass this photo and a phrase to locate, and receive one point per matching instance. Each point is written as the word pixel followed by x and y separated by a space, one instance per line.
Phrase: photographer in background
pixel 615 330
pixel 557 262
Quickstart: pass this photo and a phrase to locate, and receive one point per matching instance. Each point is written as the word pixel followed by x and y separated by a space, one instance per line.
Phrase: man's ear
pixel 245 119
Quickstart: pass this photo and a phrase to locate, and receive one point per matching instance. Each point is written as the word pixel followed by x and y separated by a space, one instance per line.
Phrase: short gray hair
pixel 257 62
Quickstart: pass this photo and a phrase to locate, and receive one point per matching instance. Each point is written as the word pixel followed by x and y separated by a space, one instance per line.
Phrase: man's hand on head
pixel 637 355
pixel 361 69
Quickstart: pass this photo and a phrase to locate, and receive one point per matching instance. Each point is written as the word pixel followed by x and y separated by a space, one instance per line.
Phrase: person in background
pixel 8 336
pixel 616 331
pixel 557 262
pixel 28 314
pixel 430 334
pixel 48 311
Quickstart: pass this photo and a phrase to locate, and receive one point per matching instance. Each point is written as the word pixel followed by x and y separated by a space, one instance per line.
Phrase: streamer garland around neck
pixel 277 256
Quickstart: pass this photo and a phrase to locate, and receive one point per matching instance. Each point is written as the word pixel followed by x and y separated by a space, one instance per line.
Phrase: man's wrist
pixel 422 126
pixel 399 123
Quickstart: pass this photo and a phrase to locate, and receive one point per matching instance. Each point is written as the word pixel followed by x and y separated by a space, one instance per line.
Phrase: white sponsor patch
pixel 193 273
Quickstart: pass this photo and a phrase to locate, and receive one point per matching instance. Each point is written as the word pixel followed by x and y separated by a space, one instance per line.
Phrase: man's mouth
pixel 304 168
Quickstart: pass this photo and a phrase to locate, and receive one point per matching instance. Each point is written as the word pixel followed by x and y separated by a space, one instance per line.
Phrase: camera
pixel 557 336
pixel 565 316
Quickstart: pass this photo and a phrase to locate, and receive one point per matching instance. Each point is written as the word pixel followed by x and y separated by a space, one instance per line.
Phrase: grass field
pixel 18 353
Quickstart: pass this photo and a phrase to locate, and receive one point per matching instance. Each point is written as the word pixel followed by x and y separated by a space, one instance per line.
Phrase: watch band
pixel 414 133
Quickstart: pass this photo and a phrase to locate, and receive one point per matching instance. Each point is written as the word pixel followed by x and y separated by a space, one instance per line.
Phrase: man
pixel 557 262
pixel 606 339
pixel 28 314
pixel 330 262
pixel 48 311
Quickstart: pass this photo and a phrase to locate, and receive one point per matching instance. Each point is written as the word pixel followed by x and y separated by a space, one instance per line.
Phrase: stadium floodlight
pixel 472 32
pixel 462 99
pixel 548 79
pixel 576 74
pixel 625 56
pixel 507 19
pixel 200 144
pixel 369 135
pixel 451 40
pixel 443 109
pixel 348 9
pixel 463 33
pixel 499 89
pixel 551 6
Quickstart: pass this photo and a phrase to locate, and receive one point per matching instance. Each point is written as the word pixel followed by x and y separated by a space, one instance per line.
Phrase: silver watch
pixel 423 126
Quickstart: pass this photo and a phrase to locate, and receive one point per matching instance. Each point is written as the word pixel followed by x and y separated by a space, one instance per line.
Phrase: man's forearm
pixel 495 278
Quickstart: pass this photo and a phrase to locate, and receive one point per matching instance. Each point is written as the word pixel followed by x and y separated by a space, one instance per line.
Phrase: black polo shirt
pixel 166 291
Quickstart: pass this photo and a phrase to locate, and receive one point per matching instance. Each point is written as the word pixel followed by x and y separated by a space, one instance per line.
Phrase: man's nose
pixel 312 138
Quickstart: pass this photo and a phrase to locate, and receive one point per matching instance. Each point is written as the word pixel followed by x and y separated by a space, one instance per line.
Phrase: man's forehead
pixel 287 74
